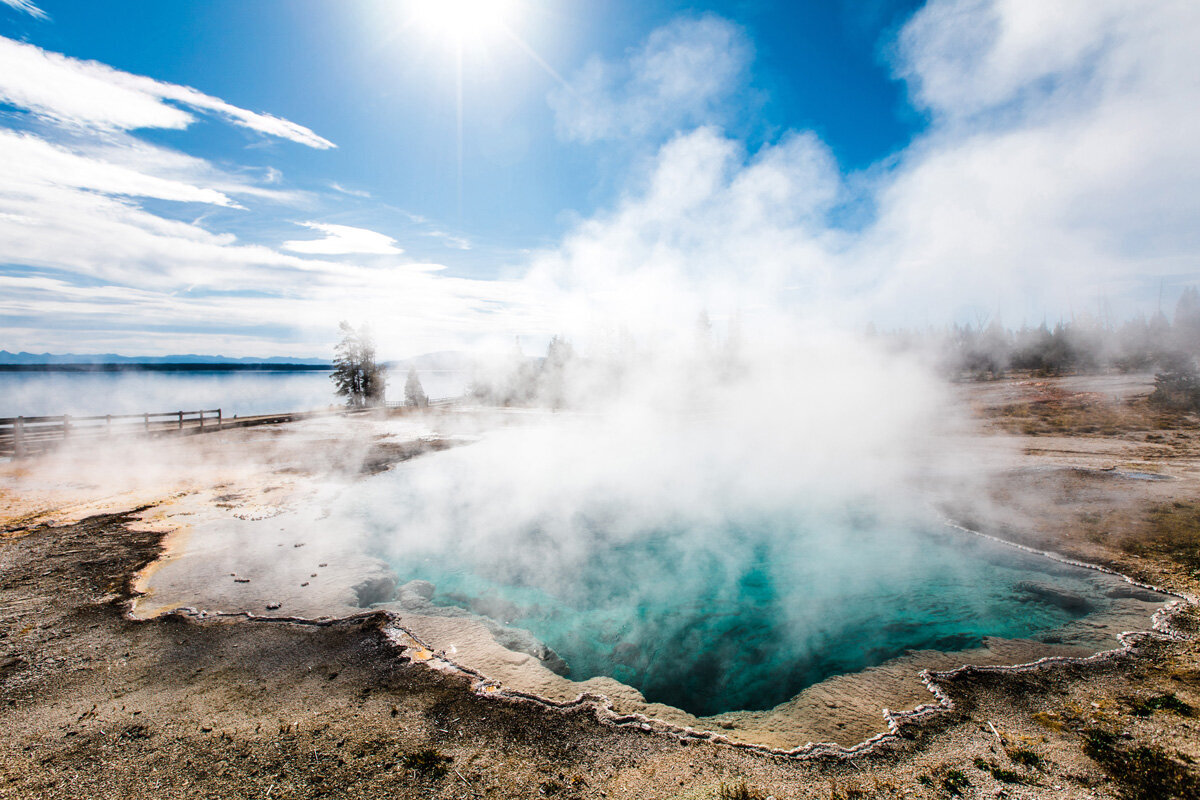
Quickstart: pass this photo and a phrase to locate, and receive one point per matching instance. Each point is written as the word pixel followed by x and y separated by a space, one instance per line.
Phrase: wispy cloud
pixel 684 75
pixel 93 96
pixel 343 240
pixel 450 240
pixel 337 187
pixel 28 163
pixel 427 227
pixel 28 6
pixel 102 248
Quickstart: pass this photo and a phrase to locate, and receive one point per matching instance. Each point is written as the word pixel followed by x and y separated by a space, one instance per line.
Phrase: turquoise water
pixel 744 614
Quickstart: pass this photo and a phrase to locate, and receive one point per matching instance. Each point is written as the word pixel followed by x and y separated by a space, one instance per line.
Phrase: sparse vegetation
pixel 1048 720
pixel 852 792
pixel 1025 757
pixel 1142 772
pixel 427 764
pixel 1171 530
pixel 998 772
pixel 951 780
pixel 1146 706
pixel 954 782
pixel 739 792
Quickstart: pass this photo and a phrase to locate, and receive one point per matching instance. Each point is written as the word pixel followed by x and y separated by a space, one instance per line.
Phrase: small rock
pixel 298 545
pixel 304 584
pixel 273 606
pixel 241 580
pixel 322 565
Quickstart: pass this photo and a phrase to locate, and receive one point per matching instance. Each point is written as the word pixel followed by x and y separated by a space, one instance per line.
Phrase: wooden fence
pixel 441 402
pixel 22 436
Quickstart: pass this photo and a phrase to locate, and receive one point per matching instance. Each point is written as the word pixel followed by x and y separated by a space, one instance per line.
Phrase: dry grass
pixel 1170 531
pixel 1060 413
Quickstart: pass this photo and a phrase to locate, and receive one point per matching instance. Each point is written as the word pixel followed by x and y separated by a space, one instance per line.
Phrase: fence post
pixel 219 420
pixel 66 425
pixel 108 424
pixel 19 437
pixel 147 419
pixel 202 419
pixel 180 420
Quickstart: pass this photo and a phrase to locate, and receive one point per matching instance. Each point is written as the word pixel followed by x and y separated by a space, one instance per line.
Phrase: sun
pixel 460 22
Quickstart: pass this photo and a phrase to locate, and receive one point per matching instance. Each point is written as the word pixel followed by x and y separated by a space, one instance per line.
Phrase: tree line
pixel 986 350
pixel 1085 344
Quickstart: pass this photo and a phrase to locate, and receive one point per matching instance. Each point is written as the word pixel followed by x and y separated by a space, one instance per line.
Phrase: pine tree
pixel 414 395
pixel 355 372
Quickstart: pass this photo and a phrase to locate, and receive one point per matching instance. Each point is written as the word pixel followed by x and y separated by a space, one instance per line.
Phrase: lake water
pixel 241 393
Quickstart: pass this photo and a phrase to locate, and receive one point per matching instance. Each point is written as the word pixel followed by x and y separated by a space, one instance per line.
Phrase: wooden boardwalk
pixel 25 436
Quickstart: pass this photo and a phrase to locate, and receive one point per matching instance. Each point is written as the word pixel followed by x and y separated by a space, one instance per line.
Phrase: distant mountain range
pixel 446 360
pixel 112 358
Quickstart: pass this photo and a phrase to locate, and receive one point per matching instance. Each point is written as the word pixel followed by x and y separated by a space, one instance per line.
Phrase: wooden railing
pixel 22 436
pixel 438 403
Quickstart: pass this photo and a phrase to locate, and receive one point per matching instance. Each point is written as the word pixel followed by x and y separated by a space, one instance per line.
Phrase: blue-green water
pixel 745 614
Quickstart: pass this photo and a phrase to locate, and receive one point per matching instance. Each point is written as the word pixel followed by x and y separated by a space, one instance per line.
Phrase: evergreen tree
pixel 356 374
pixel 1177 386
pixel 1187 321
pixel 553 376
pixel 414 394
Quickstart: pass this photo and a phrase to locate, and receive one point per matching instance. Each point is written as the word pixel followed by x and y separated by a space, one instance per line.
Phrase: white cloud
pixel 128 151
pixel 28 6
pixel 1048 177
pixel 90 259
pixel 93 96
pixel 1061 164
pixel 342 240
pixel 28 162
pixel 682 76
pixel 1058 173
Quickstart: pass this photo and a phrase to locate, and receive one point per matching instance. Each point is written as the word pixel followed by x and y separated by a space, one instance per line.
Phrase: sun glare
pixel 462 21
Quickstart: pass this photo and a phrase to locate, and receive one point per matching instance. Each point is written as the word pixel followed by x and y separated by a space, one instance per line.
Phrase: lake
pixel 242 393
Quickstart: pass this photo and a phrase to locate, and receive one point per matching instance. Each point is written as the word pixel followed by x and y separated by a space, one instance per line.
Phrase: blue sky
pixel 263 169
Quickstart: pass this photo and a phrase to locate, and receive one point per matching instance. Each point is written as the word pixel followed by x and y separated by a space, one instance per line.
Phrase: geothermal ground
pixel 101 695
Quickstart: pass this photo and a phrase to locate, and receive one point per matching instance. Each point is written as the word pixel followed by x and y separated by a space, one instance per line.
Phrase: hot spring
pixel 743 615
pixel 723 586
pixel 730 601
